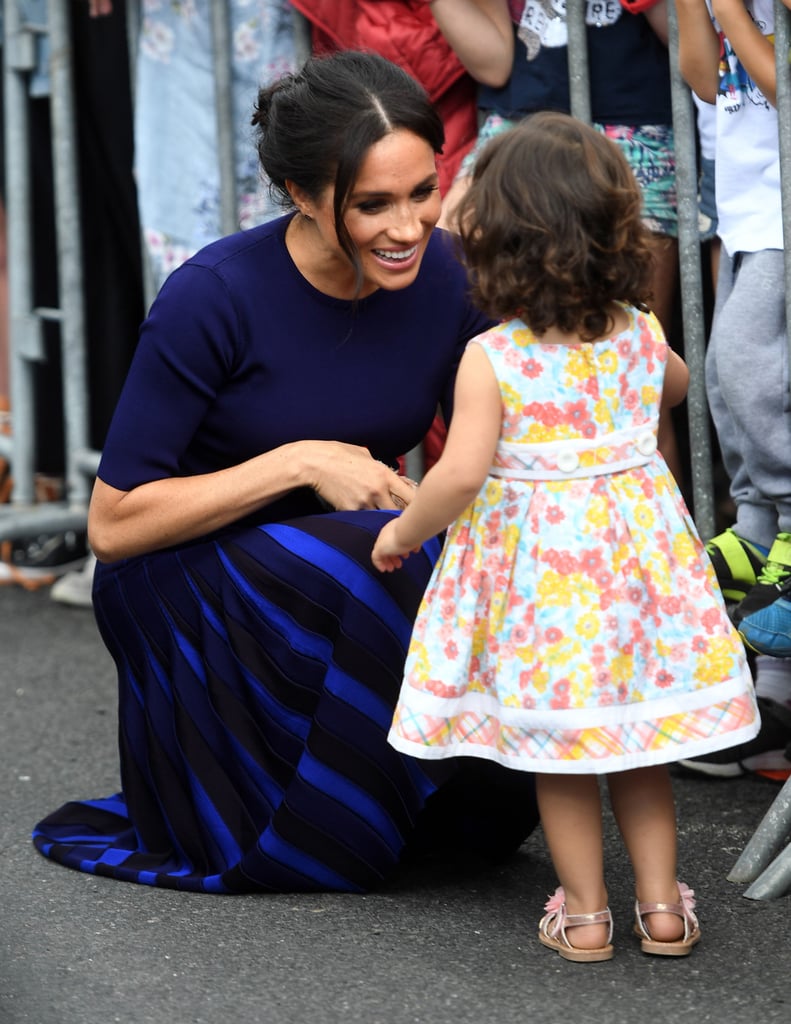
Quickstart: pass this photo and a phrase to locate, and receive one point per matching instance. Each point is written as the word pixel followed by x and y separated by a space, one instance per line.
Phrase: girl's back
pixel 583 390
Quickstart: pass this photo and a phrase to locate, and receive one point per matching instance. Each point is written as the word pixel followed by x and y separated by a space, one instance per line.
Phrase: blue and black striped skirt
pixel 257 675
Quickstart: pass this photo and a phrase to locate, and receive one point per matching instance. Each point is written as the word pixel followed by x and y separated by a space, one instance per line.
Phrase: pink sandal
pixel 684 910
pixel 552 930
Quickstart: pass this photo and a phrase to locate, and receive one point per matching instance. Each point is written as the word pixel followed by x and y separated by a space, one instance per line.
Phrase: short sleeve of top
pixel 240 354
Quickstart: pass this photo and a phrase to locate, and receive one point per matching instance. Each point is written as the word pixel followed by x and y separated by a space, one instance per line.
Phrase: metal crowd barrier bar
pixel 23 516
pixel 579 73
pixel 221 38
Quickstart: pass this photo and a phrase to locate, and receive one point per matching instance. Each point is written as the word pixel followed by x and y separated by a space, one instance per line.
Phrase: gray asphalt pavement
pixel 445 941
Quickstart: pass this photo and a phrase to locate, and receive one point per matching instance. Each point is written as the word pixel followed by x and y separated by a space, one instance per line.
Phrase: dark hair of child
pixel 551 228
pixel 315 127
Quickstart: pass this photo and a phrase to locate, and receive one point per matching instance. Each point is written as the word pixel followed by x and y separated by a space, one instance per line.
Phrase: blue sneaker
pixel 768 631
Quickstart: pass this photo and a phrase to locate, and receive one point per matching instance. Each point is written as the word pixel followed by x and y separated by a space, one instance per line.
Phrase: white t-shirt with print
pixel 747 153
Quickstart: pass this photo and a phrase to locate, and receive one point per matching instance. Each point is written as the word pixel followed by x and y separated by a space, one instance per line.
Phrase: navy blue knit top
pixel 241 354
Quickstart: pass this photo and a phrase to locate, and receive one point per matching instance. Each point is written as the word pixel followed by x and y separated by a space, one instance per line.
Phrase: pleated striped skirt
pixel 257 676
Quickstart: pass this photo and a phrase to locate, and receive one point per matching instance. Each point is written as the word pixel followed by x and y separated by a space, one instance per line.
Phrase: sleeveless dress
pixel 573 623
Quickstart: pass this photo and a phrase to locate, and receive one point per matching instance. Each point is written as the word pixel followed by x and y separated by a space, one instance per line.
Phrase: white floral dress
pixel 573 622
pixel 177 146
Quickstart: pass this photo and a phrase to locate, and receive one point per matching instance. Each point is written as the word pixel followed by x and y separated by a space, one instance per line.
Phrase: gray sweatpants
pixel 747 382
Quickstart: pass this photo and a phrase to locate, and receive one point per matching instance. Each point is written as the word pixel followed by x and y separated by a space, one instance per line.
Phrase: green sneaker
pixel 767 588
pixel 737 563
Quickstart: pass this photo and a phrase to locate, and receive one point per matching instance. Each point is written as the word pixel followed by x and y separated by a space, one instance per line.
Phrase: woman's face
pixel 391 211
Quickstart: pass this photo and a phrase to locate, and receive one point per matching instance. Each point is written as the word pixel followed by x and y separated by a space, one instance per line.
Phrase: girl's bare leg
pixel 570 809
pixel 643 805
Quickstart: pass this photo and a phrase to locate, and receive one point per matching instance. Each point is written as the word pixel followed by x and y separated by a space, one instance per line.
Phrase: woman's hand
pixel 347 477
pixel 388 554
pixel 161 513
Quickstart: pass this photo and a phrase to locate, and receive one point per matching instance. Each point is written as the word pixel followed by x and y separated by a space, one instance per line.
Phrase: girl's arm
pixel 676 383
pixel 698 48
pixel 455 480
pixel 481 33
pixel 173 510
pixel 754 50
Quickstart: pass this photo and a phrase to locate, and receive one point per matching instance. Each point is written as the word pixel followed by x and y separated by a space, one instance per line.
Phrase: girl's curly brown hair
pixel 551 229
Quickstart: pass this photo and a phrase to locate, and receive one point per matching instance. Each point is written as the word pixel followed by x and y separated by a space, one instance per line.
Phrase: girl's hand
pixel 388 554
pixel 347 477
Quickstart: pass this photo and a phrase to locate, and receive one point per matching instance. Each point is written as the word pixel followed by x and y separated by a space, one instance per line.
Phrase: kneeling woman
pixel 280 373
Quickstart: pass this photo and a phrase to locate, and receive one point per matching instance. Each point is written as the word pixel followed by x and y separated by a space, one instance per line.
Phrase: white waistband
pixel 576 457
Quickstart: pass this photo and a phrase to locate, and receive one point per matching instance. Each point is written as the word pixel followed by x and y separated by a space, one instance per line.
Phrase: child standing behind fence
pixel 731 62
pixel 573 626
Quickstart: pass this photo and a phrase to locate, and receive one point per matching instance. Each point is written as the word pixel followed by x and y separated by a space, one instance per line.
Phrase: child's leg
pixel 570 809
pixel 643 805
pixel 751 411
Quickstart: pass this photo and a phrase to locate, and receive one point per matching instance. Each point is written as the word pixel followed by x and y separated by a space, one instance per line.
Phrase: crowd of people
pixel 324 666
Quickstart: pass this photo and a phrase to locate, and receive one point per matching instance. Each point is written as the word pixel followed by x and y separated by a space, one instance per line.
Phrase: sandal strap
pixel 556 922
pixel 682 909
pixel 662 908
pixel 599 917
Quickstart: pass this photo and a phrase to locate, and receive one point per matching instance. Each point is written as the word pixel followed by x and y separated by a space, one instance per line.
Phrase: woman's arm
pixel 173 510
pixel 698 48
pixel 481 33
pixel 453 482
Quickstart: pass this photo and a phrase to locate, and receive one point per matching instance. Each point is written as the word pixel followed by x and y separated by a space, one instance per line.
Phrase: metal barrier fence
pixel 24 516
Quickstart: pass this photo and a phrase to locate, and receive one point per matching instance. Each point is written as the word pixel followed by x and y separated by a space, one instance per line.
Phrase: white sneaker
pixel 74 588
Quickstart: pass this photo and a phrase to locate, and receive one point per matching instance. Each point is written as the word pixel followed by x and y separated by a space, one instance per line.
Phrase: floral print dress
pixel 573 622
pixel 177 142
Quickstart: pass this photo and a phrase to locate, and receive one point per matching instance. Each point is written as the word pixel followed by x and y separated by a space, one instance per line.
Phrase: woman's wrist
pixel 301 462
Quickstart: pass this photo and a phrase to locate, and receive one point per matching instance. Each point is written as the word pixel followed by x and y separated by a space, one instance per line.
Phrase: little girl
pixel 573 626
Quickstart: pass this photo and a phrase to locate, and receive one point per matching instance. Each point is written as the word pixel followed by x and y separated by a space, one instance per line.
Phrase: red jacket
pixel 405 32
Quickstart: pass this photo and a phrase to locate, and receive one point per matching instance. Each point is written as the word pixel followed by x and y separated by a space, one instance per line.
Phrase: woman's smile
pixel 393 207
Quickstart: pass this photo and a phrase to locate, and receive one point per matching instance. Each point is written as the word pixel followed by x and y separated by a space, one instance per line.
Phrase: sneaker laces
pixel 774 574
